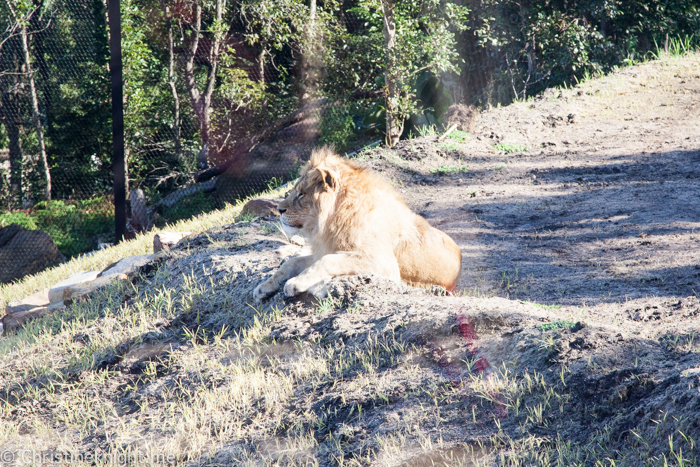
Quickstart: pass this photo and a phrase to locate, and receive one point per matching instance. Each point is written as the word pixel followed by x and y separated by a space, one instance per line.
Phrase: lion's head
pixel 313 196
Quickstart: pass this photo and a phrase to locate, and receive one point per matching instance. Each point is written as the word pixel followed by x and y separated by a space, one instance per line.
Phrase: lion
pixel 356 223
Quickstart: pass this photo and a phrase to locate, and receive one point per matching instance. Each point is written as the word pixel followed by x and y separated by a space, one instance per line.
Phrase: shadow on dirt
pixel 596 234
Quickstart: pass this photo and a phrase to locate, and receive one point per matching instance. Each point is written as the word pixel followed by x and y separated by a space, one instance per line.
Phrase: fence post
pixel 118 166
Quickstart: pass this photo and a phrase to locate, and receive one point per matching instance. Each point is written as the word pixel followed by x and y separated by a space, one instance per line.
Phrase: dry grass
pixel 141 245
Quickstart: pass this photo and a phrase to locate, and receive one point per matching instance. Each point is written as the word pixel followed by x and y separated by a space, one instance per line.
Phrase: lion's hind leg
pixel 290 268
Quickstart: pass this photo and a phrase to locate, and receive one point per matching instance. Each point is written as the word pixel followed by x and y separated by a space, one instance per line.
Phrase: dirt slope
pixel 573 340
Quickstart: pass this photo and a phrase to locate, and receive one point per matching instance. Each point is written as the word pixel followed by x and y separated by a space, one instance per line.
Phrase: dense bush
pixel 515 49
pixel 75 227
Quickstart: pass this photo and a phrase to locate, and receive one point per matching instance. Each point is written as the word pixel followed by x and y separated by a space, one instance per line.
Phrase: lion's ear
pixel 324 178
pixel 331 178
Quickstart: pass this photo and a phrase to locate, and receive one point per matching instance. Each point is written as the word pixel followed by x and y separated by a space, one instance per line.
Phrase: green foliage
pixel 556 325
pixel 337 128
pixel 19 217
pixel 425 41
pixel 340 124
pixel 459 136
pixel 272 24
pixel 73 226
pixel 531 45
pixel 354 57
pixel 497 50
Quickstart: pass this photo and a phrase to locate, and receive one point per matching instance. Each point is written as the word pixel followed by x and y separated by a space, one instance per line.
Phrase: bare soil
pixel 573 338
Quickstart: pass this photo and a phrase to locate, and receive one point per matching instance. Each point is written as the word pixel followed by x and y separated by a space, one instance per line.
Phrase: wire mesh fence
pixel 225 99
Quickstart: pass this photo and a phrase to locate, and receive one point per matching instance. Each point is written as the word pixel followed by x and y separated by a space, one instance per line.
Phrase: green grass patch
pixel 509 148
pixel 556 325
pixel 459 136
pixel 72 225
pixel 449 145
pixel 448 169
pixel 540 305
pixel 678 46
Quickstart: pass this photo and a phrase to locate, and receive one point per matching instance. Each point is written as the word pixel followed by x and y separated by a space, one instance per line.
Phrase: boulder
pixel 83 283
pixel 12 321
pixel 260 208
pixel 24 252
pixel 34 300
pixel 63 290
pixel 63 293
pixel 128 265
pixel 164 241
pixel 20 311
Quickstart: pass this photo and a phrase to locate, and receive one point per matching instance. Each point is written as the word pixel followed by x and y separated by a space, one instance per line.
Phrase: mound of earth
pixel 573 339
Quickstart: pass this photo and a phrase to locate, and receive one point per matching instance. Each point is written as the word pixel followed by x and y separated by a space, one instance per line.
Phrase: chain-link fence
pixel 55 158
pixel 225 99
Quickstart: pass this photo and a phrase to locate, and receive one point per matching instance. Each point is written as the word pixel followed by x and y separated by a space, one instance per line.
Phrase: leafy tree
pixel 272 25
pixel 418 35
pixel 21 14
pixel 532 45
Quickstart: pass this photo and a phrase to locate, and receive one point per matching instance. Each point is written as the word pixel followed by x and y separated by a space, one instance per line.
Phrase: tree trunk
pixel 261 67
pixel 10 119
pixel 310 63
pixel 394 122
pixel 171 81
pixel 36 116
pixel 201 101
pixel 41 65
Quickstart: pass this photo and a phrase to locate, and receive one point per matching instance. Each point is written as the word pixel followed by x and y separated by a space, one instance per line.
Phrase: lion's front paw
pixel 293 287
pixel 297 285
pixel 264 290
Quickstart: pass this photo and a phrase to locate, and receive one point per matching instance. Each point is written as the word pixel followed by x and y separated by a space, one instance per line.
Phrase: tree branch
pixel 253 141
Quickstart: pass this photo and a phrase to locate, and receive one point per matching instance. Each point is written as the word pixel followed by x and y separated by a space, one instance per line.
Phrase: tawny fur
pixel 355 223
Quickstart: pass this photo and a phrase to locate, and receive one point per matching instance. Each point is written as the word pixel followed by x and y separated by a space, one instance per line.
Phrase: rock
pixel 144 352
pixel 164 241
pixel 66 287
pixel 24 252
pixel 140 216
pixel 21 311
pixel 260 208
pixel 128 265
pixel 12 321
pixel 83 283
pixel 34 300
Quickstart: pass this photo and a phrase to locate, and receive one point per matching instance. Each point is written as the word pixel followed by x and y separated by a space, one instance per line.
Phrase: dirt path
pixel 602 208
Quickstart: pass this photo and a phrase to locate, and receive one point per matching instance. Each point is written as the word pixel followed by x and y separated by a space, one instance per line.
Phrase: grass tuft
pixel 510 148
